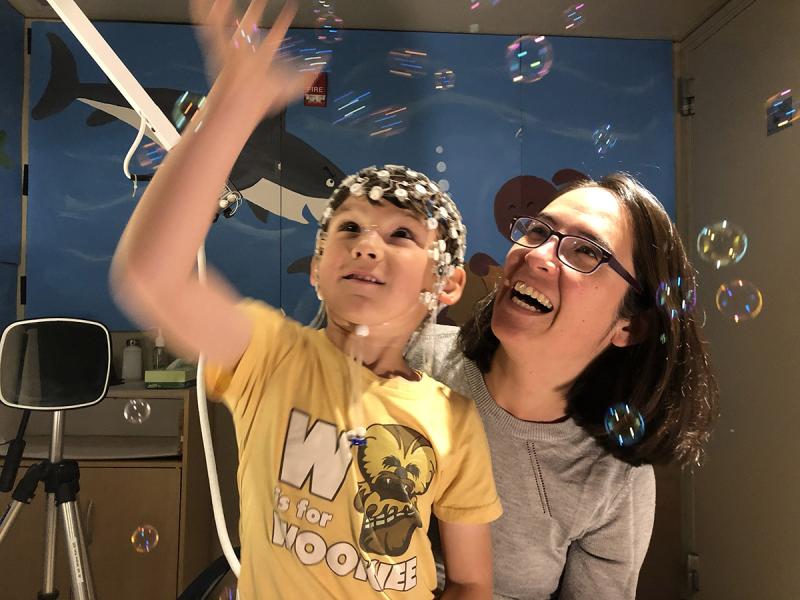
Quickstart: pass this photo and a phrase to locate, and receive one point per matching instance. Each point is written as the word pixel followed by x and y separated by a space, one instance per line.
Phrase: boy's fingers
pixel 212 18
pixel 277 32
pixel 219 22
pixel 253 16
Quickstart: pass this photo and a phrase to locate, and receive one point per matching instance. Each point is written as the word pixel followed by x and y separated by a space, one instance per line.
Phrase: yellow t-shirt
pixel 319 519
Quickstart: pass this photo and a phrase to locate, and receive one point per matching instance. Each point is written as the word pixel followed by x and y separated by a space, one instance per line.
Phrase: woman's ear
pixel 629 332
pixel 453 287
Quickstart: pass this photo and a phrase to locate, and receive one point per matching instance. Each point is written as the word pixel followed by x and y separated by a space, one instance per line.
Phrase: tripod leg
pixel 82 587
pixel 8 517
pixel 50 536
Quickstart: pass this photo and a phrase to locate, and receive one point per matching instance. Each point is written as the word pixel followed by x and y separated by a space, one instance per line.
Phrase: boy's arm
pixel 467 550
pixel 152 274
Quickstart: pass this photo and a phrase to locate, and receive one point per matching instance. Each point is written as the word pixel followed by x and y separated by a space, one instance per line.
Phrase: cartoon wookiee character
pixel 398 465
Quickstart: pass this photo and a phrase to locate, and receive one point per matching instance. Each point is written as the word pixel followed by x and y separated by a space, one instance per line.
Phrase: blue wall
pixel 12 34
pixel 487 129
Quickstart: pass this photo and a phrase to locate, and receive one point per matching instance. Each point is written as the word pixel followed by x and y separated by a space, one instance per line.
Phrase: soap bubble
pixel 329 28
pixel 624 424
pixel 439 149
pixel 573 16
pixel 388 121
pixel 676 297
pixel 722 243
pixel 739 300
pixel 444 79
pixel 299 54
pixel 149 156
pixel 441 166
pixel 351 107
pixel 136 412
pixel 781 112
pixel 529 58
pixel 185 108
pixel 144 539
pixel 324 7
pixel 604 139
pixel 227 593
pixel 443 184
pixel 408 62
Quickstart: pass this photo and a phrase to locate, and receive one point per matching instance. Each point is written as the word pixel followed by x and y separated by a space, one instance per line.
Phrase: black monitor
pixel 54 363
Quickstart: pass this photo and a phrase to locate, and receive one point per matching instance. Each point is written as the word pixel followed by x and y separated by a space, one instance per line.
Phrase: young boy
pixel 340 464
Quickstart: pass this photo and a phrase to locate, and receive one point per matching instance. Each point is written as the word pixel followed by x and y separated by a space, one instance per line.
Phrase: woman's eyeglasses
pixel 574 251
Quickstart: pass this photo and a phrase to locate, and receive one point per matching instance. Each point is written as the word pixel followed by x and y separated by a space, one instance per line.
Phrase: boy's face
pixel 374 265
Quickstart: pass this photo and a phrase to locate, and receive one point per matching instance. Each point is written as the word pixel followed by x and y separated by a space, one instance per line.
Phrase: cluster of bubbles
pixel 739 300
pixel 136 412
pixel 722 244
pixel 444 79
pixel 328 24
pixel 604 139
pixel 573 17
pixel 624 424
pixel 329 28
pixel 144 539
pixel 529 58
pixel 408 63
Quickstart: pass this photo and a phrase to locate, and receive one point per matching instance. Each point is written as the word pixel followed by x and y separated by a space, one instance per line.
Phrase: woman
pixel 594 311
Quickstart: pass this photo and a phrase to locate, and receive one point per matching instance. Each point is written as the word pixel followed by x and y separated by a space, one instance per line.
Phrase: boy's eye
pixel 404 232
pixel 349 226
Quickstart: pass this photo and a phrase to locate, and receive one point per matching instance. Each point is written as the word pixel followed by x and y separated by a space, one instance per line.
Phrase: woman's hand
pixel 250 78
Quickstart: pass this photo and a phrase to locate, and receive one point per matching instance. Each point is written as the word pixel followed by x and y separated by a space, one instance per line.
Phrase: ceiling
pixel 639 19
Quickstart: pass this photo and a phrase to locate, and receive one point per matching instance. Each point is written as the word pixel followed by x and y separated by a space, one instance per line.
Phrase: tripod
pixel 60 478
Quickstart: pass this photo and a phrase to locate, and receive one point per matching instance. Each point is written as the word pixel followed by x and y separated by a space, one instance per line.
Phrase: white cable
pixel 126 163
pixel 208 446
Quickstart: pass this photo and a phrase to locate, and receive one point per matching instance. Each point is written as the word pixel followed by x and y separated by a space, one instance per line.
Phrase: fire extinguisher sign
pixel 317 94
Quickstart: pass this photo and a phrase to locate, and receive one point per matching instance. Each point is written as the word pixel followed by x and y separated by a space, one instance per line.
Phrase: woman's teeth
pixel 530 298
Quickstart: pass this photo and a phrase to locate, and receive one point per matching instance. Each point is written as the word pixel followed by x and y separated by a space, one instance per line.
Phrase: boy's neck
pixel 381 353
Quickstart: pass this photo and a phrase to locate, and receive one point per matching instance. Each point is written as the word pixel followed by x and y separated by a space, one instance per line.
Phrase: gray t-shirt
pixel 568 505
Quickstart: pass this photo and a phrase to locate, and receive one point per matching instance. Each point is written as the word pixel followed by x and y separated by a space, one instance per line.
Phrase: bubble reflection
pixel 529 58
pixel 624 424
pixel 739 300
pixel 722 243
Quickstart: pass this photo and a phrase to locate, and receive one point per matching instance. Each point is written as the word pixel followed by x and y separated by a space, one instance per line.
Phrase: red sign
pixel 317 94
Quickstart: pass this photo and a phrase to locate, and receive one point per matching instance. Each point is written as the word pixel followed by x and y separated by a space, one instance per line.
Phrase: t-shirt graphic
pixel 397 465
pixel 320 518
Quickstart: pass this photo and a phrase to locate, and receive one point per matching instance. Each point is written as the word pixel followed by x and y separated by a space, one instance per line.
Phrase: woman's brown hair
pixel 667 376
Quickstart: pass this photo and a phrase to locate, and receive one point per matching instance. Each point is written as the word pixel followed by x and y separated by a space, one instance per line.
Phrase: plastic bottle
pixel 132 361
pixel 159 354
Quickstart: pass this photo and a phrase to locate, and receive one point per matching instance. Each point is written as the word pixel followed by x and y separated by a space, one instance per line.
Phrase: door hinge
pixel 693 572
pixel 686 96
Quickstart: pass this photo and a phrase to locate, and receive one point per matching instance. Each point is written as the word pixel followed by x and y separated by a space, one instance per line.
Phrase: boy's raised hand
pixel 248 75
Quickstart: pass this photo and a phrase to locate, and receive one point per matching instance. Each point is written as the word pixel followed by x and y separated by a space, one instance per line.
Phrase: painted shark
pixel 276 171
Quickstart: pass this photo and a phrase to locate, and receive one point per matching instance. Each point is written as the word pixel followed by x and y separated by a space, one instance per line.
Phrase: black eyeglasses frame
pixel 607 257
